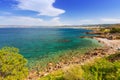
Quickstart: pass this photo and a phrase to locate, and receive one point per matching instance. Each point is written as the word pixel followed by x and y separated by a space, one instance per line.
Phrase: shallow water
pixel 39 43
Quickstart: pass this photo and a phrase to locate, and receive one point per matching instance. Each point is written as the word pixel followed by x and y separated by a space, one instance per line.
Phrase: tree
pixel 12 64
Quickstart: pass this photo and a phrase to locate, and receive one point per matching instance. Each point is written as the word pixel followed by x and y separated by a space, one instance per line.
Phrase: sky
pixel 59 12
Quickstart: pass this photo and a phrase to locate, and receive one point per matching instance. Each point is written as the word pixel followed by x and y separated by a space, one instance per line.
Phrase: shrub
pixel 114 57
pixel 102 70
pixel 105 30
pixel 115 30
pixel 74 73
pixel 12 64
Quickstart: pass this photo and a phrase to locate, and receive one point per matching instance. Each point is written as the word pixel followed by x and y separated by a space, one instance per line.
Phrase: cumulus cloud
pixel 43 7
pixel 29 21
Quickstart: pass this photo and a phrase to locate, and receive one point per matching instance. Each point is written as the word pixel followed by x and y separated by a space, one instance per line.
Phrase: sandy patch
pixel 115 44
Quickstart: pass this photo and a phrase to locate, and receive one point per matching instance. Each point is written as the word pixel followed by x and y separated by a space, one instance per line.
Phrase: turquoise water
pixel 37 43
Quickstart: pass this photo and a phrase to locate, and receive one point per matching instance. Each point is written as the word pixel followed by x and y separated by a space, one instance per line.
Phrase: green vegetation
pixel 12 64
pixel 99 69
pixel 56 75
pixel 74 73
pixel 13 67
pixel 102 69
pixel 110 30
pixel 105 30
pixel 115 30
pixel 114 57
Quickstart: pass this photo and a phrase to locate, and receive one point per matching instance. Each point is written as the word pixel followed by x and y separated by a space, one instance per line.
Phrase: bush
pixel 105 30
pixel 115 30
pixel 74 73
pixel 114 57
pixel 12 64
pixel 102 70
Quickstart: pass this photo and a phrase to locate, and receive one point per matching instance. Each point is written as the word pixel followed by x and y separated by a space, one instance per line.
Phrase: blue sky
pixel 59 12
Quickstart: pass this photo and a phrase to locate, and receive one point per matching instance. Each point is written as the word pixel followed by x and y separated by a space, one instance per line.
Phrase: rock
pixel 95 54
pixel 50 64
pixel 64 40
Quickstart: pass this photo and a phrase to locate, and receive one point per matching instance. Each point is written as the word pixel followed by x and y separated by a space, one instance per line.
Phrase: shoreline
pixel 115 44
pixel 108 49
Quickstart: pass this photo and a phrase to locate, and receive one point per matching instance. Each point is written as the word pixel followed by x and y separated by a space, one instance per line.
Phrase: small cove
pixel 43 45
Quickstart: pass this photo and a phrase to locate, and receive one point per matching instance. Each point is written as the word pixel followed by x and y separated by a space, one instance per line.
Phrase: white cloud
pixel 100 21
pixel 52 22
pixel 43 7
pixel 110 20
pixel 55 20
pixel 21 20
pixel 14 20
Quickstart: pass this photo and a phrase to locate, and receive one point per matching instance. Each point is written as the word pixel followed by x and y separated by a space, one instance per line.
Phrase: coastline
pixel 110 47
pixel 115 44
pixel 107 50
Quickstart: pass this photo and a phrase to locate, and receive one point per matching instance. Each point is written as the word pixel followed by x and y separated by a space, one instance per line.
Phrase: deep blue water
pixel 38 42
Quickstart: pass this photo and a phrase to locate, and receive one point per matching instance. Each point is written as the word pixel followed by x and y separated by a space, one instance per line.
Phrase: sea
pixel 42 45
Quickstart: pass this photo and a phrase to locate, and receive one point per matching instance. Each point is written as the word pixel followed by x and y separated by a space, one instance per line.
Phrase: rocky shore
pixel 111 46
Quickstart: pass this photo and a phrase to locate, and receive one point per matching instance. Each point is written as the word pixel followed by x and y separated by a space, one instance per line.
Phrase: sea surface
pixel 36 44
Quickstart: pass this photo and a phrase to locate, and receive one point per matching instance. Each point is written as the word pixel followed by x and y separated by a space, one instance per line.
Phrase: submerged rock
pixel 63 40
